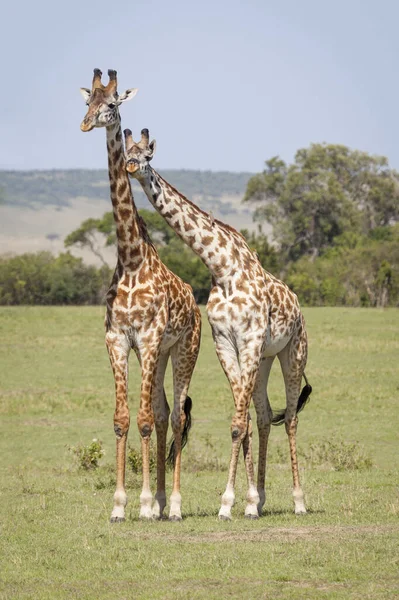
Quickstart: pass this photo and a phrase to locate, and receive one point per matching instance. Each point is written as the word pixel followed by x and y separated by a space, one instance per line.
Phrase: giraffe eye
pixel 112 105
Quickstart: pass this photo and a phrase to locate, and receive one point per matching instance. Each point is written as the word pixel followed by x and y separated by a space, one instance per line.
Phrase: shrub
pixel 88 456
pixel 338 455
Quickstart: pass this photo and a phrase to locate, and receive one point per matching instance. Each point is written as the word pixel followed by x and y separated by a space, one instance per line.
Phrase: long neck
pixel 129 230
pixel 220 247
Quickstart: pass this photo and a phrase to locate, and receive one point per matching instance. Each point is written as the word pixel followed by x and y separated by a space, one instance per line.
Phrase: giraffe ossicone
pixel 148 309
pixel 254 317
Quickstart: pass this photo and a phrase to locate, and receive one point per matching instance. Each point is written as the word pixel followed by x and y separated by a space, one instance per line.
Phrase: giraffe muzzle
pixel 132 165
pixel 87 125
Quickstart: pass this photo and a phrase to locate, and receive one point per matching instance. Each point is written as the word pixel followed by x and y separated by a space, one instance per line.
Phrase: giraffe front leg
pixel 145 423
pixel 118 350
pixel 227 355
pixel 241 371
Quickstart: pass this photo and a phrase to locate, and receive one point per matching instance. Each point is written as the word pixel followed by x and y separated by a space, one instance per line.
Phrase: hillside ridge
pixel 58 187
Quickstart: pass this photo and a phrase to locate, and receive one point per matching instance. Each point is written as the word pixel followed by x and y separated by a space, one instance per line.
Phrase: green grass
pixel 56 390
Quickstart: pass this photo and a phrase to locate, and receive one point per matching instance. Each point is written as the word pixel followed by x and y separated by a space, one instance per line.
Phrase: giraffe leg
pixel 241 373
pixel 227 355
pixel 118 350
pixel 161 416
pixel 184 356
pixel 251 511
pixel 264 417
pixel 293 362
pixel 145 421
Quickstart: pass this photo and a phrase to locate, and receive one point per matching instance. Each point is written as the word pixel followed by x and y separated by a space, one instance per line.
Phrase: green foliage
pixel 88 456
pixel 365 273
pixel 329 191
pixel 182 261
pixel 157 227
pixel 268 255
pixel 42 278
pixel 135 459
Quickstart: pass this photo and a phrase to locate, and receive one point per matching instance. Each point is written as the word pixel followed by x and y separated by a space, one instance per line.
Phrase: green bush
pixel 42 278
pixel 88 456
pixel 338 456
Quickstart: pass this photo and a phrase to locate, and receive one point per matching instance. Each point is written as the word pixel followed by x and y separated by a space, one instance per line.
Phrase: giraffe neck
pixel 220 247
pixel 131 238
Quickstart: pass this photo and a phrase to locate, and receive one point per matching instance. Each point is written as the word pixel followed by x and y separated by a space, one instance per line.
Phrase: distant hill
pixel 58 188
pixel 38 209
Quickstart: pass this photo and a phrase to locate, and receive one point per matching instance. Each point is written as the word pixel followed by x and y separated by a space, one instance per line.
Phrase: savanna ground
pixel 56 390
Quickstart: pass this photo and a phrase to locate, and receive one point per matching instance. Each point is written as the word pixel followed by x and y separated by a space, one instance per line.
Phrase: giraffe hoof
pixel 252 517
pixel 300 511
pixel 117 519
pixel 224 518
pixel 175 518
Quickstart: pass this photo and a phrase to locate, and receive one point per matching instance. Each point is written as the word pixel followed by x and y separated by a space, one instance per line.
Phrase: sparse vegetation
pixel 88 456
pixel 339 455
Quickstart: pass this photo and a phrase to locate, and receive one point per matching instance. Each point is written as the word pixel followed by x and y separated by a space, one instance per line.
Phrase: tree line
pixel 334 214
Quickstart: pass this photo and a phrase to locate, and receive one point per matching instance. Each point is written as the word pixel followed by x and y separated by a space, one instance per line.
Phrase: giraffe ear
pixel 151 150
pixel 86 93
pixel 128 95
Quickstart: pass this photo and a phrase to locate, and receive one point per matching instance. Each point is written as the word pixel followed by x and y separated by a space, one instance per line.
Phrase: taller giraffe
pixel 149 309
pixel 254 318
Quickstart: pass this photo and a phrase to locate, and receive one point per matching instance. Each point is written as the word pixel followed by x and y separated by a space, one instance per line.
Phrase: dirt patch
pixel 270 534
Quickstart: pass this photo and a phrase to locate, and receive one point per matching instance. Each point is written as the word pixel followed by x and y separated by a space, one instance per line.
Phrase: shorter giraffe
pixel 150 310
pixel 254 318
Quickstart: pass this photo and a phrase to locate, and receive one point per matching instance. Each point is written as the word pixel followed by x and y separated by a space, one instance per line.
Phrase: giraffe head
pixel 103 101
pixel 138 154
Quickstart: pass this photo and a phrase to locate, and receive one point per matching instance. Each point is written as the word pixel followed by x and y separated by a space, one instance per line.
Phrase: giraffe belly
pixel 273 347
pixel 169 339
pixel 274 344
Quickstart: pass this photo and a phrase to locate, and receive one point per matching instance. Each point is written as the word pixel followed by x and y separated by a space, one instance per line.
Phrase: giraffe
pixel 148 309
pixel 254 317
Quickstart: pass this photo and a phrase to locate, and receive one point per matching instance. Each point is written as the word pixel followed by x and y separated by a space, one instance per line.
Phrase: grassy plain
pixel 56 542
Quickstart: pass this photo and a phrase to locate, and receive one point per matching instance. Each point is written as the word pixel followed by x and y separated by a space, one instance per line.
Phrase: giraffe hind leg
pixel 161 417
pixel 184 356
pixel 293 361
pixel 304 397
pixel 264 417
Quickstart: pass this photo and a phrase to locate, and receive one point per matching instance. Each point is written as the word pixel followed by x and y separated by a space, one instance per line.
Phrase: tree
pixel 90 232
pixel 267 254
pixel 329 190
pixel 85 237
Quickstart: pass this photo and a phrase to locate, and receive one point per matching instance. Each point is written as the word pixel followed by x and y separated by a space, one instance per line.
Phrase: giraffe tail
pixel 186 430
pixel 279 415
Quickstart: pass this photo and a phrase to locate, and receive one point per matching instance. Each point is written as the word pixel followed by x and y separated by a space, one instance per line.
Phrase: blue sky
pixel 223 85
